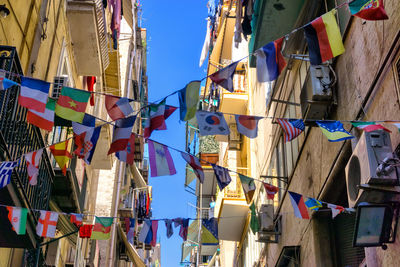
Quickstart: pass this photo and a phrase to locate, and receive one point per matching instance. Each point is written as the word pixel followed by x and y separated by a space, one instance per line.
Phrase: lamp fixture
pixel 4 11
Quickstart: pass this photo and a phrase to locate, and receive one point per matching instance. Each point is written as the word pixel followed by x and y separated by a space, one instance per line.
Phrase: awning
pixel 127 11
pixel 137 176
pixel 131 251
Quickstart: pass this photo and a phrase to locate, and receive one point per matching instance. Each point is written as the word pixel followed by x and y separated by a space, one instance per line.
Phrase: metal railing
pixel 20 137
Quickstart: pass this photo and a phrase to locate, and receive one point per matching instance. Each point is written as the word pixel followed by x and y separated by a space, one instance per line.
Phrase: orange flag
pixel 61 155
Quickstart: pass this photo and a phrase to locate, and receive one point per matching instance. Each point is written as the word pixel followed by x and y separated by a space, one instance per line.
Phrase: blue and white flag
pixel 222 175
pixel 212 123
pixel 6 169
pixel 86 137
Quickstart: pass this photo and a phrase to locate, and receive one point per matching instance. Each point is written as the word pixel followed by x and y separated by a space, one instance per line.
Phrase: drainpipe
pixel 200 210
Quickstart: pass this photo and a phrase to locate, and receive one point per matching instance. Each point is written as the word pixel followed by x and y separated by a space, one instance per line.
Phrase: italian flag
pixel 71 104
pixel 43 120
pixel 17 217
pixel 369 126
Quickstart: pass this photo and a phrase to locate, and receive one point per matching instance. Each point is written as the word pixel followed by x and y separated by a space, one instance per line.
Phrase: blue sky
pixel 175 33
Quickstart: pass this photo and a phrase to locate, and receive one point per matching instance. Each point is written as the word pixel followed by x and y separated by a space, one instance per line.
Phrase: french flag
pixel 299 207
pixel 33 94
pixel 118 107
pixel 270 61
pixel 122 133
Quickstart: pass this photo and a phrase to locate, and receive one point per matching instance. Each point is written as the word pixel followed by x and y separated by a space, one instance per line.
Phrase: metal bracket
pixel 281 178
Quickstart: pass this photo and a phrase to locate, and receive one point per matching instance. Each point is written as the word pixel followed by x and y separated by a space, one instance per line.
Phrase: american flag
pixel 6 169
pixel 291 127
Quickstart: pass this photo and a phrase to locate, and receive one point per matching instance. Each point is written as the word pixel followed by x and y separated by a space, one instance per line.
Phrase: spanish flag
pixel 323 38
pixel 61 155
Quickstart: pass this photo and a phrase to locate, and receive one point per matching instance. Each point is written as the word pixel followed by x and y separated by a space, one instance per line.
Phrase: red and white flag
pixel 32 162
pixel 76 219
pixel 34 94
pixel 224 77
pixel 47 224
pixel 247 125
pixel 271 190
pixel 156 116
pixel 118 107
pixel 336 209
pixel 122 134
pixel 194 162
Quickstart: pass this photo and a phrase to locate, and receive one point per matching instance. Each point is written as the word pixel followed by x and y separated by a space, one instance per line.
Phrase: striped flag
pixel 17 217
pixel 6 169
pixel 34 94
pixel 61 155
pixel 291 128
pixel 127 155
pixel 270 61
pixel 32 162
pixel 146 234
pixel 248 186
pixel 369 126
pixel 299 207
pixel 121 134
pixel 395 123
pixel 194 162
pixel 336 209
pixel 224 77
pixel 76 219
pixel 43 120
pixel 47 224
pixel 86 137
pixel 71 104
pixel 247 125
pixel 161 162
pixel 118 107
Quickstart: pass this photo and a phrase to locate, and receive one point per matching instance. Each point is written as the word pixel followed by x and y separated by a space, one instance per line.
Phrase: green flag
pixel 102 228
pixel 254 223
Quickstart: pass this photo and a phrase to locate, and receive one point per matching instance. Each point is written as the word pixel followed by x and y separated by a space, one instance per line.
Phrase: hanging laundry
pixel 32 161
pixel 33 94
pixel 247 125
pixel 85 231
pixel 237 37
pixel 168 226
pixel 90 82
pixel 212 123
pixel 71 105
pixel 47 224
pixel 188 100
pixel 206 44
pixel 43 120
pixel 183 231
pixel 154 228
pixel 368 9
pixel 299 207
pixel 161 162
pixel 6 169
pixel 334 131
pixel 17 217
pixel 270 62
pixel 248 14
pixel 121 134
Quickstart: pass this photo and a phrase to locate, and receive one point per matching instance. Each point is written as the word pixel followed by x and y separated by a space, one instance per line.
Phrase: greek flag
pixel 6 168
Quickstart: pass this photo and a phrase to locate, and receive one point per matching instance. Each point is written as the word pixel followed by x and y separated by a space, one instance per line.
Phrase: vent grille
pixel 58 83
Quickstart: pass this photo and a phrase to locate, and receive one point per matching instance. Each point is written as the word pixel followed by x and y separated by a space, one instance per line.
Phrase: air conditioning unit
pixel 316 95
pixel 270 229
pixel 58 83
pixel 267 218
pixel 364 166
pixel 234 139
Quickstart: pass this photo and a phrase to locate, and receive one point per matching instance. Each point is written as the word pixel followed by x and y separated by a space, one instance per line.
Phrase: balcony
pixel 16 138
pixel 87 25
pixel 126 207
pixel 235 102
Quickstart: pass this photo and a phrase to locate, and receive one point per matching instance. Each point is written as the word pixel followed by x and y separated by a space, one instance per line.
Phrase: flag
pixel 76 219
pixel 313 204
pixel 121 134
pixel 6 83
pixel 369 126
pixel 395 123
pixel 47 224
pixel 194 162
pixel 368 9
pixel 270 61
pixel 188 100
pixel 336 209
pixel 146 234
pixel 222 175
pixel 6 169
pixel 209 233
pixel 334 131
pixel 254 223
pixel 156 116
pixel 17 217
pixel 154 227
pixel 86 137
pixel 34 94
pixel 299 207
pixel 71 104
pixel 324 38
pixel 118 107
pixel 291 128
pixel 128 155
pixel 247 125
pixel 130 229
pixel 270 190
pixel 224 77
pixel 211 123
pixel 183 231
pixel 248 185
pixel 61 155
pixel 43 120
pixel 85 231
pixel 102 228
pixel 161 162
pixel 32 161
pixel 168 226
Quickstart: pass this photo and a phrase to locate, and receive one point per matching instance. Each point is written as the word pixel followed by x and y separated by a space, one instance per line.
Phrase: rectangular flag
pixel 188 100
pixel 291 128
pixel 118 107
pixel 86 137
pixel 102 228
pixel 130 229
pixel 61 155
pixel 334 131
pixel 156 115
pixel 270 61
pixel 34 94
pixel 43 120
pixel 71 104
pixel 127 155
pixel 194 162
pixel 121 134
pixel 32 161
pixel 47 224
pixel 248 185
pixel 224 77
pixel 6 169
pixel 85 231
pixel 313 204
pixel 368 9
pixel 76 219
pixel 6 83
pixel 222 175
pixel 212 123
pixel 247 125
pixel 254 222
pixel 161 162
pixel 17 217
pixel 270 190
pixel 324 38
pixel 299 207
pixel 369 126
pixel 145 234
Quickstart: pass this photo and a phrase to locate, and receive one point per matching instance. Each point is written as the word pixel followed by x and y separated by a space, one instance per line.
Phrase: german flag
pixel 323 38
